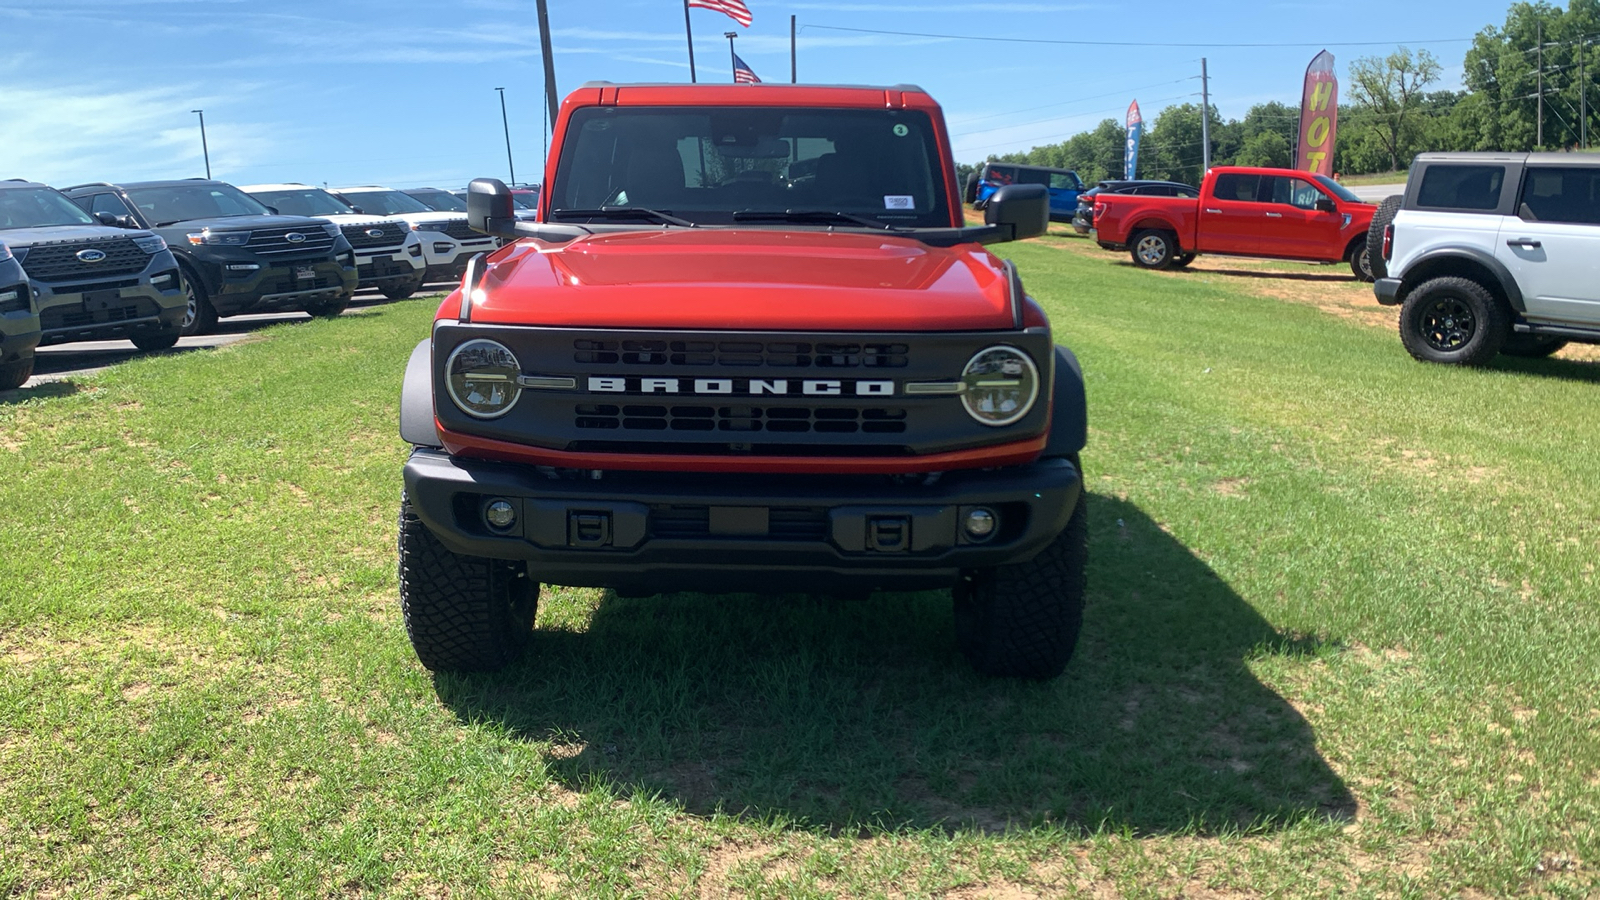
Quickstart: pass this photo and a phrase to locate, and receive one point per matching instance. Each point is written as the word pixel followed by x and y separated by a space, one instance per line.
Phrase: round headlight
pixel 1002 385
pixel 481 376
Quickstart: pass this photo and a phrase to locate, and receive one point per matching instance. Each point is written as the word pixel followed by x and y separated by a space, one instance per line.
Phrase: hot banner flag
pixel 742 73
pixel 733 9
pixel 1319 116
pixel 1130 157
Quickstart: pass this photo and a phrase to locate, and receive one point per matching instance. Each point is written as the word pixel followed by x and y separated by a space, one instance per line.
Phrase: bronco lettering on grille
pixel 754 387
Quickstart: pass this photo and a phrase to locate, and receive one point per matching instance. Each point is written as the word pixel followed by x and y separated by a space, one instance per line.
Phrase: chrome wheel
pixel 1151 250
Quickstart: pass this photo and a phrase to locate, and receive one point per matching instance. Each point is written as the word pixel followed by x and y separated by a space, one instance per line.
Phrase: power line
pixel 1193 45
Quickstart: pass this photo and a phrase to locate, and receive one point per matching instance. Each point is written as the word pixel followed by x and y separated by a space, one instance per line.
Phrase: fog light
pixel 500 515
pixel 980 524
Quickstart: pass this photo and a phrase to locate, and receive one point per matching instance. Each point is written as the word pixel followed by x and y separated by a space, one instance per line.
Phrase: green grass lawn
pixel 1342 639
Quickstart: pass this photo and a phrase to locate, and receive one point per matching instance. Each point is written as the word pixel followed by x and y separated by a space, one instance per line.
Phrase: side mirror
pixel 114 220
pixel 1325 204
pixel 271 209
pixel 1023 207
pixel 490 209
pixel 355 208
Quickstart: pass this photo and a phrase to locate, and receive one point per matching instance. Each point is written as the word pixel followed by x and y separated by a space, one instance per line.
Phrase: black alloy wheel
pixel 1455 321
pixel 1448 324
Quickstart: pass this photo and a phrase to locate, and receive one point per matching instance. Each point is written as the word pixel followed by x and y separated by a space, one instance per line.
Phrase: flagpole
pixel 733 58
pixel 688 30
pixel 794 72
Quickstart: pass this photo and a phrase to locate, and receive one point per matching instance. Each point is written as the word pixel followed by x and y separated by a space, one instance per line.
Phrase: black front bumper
pixel 655 532
pixel 19 334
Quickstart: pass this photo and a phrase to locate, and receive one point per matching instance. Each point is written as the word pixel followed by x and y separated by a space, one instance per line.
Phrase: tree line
pixel 1389 115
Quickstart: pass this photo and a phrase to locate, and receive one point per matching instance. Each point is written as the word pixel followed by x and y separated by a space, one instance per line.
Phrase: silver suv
pixel 1492 253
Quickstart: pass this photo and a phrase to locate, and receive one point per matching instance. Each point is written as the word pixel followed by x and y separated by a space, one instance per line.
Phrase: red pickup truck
pixel 1272 213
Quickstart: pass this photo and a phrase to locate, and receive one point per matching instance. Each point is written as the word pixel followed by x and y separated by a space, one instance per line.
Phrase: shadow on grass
pixel 1273 274
pixel 1568 369
pixel 847 716
pixel 44 390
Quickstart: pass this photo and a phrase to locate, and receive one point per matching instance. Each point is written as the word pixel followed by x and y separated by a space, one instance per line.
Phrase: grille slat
pixel 274 241
pixel 59 262
pixel 391 235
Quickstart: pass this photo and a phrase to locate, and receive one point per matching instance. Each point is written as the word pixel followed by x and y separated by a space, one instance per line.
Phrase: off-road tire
pixel 152 341
pixel 201 316
pixel 15 374
pixel 328 309
pixel 462 613
pixel 1182 262
pixel 970 192
pixel 1361 262
pixel 1022 620
pixel 1454 321
pixel 1153 249
pixel 1531 346
pixel 401 290
pixel 1380 220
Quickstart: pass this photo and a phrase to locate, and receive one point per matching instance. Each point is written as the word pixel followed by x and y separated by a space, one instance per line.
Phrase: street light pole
pixel 203 147
pixel 733 65
pixel 506 123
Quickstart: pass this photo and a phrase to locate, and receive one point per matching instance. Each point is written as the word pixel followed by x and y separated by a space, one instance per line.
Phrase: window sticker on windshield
pixel 900 130
pixel 899 201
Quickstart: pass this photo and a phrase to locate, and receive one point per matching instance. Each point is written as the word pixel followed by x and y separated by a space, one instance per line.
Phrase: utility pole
pixel 203 148
pixel 733 58
pixel 794 71
pixel 1205 118
pixel 549 62
pixel 1583 99
pixel 506 124
pixel 1539 145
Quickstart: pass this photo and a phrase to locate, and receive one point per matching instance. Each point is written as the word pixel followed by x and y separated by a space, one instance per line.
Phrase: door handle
pixel 1274 215
pixel 1217 211
pixel 1527 243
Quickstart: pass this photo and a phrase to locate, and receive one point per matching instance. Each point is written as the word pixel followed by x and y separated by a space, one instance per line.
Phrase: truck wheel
pixel 462 613
pixel 1022 620
pixel 1454 321
pixel 1154 250
pixel 328 309
pixel 1361 261
pixel 199 316
pixel 1531 346
pixel 971 193
pixel 15 374
pixel 400 290
pixel 1183 261
pixel 157 340
pixel 1380 220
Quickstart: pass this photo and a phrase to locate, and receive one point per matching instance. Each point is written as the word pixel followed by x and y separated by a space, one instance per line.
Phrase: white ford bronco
pixel 1490 253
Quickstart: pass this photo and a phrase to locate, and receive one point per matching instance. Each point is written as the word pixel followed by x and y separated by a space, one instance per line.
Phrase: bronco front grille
pixel 275 241
pixel 60 262
pixel 389 235
pixel 740 419
pixel 743 354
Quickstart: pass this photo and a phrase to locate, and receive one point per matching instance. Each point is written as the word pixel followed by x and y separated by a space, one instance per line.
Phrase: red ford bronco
pixel 747 345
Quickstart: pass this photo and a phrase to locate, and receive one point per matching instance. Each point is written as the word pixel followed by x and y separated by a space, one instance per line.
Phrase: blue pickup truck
pixel 1064 185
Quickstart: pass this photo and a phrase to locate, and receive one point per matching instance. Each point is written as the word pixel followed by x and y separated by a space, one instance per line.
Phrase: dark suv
pixel 19 322
pixel 89 281
pixel 236 256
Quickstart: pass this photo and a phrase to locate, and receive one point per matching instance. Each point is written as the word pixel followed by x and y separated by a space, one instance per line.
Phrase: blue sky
pixel 401 92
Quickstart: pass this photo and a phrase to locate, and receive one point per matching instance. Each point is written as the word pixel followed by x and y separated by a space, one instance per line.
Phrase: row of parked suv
pixel 153 261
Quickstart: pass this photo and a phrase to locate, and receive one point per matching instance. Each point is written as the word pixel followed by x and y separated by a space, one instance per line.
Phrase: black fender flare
pixel 1423 268
pixel 417 426
pixel 1069 417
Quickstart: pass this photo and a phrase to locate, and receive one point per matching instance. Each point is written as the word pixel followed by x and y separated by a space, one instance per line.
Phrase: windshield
pixel 303 202
pixel 385 203
pixel 181 202
pixel 705 164
pixel 523 201
pixel 1338 190
pixel 39 207
pixel 439 201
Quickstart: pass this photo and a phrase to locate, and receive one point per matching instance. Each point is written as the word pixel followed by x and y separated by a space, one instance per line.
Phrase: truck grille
pixel 746 354
pixel 391 235
pixel 275 242
pixel 76 317
pixel 458 229
pixel 59 262
pixel 740 419
pixel 783 523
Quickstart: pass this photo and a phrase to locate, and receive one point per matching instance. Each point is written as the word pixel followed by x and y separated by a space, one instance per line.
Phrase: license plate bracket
pixel 305 273
pixel 100 301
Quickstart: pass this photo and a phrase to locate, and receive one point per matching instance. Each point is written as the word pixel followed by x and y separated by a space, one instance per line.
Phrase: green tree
pixel 1267 148
pixel 1389 91
pixel 1502 69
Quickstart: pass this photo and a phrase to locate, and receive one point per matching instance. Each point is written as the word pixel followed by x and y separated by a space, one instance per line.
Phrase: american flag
pixel 742 73
pixel 733 9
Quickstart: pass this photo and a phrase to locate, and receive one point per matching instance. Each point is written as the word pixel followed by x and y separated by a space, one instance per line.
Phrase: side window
pixel 1064 181
pixel 1564 195
pixel 1296 192
pixel 108 203
pixel 1447 186
pixel 1237 187
pixel 1033 176
pixel 1001 175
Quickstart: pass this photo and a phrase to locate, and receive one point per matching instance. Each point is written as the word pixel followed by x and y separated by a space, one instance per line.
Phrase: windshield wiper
pixel 622 212
pixel 812 215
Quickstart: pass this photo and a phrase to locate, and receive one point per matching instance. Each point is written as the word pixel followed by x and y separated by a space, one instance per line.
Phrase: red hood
pixel 758 279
